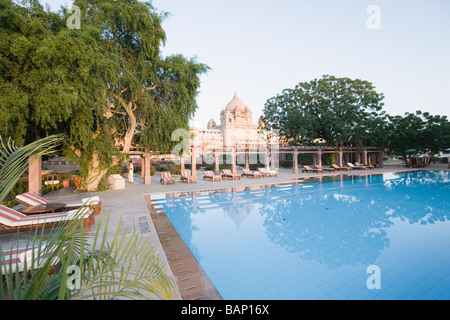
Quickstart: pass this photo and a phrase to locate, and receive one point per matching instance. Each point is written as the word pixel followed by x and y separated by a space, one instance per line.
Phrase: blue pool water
pixel 312 240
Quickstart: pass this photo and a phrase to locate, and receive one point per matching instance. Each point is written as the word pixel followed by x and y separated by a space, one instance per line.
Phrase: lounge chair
pixel 17 259
pixel 186 175
pixel 309 169
pixel 30 199
pixel 212 176
pixel 227 174
pixel 268 172
pixel 335 166
pixel 325 169
pixel 368 166
pixel 166 177
pixel 356 167
pixel 12 220
pixel 249 173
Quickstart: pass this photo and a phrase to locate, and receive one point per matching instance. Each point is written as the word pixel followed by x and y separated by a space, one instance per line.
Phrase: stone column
pixel 233 160
pixel 267 164
pixel 365 156
pixel 319 158
pixel 358 156
pixel 216 162
pixel 295 162
pixel 146 166
pixel 247 151
pixel 35 174
pixel 380 157
pixel 181 163
pixel 340 159
pixel 142 167
pixel 193 161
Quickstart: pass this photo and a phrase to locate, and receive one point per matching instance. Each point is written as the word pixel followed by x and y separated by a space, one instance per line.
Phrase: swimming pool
pixel 322 239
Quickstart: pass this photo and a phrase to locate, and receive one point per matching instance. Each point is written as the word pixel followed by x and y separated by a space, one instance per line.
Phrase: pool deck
pixel 132 208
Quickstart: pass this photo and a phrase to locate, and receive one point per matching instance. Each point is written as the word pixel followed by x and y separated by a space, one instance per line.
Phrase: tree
pixel 51 81
pixel 420 131
pixel 105 85
pixel 147 96
pixel 35 91
pixel 337 110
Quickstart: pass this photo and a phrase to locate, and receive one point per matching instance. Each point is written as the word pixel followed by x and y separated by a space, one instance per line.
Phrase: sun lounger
pixel 186 175
pixel 248 173
pixel 267 172
pixel 32 199
pixel 12 220
pixel 27 258
pixel 356 167
pixel 309 169
pixel 324 169
pixel 335 166
pixel 210 175
pixel 166 177
pixel 227 174
pixel 368 166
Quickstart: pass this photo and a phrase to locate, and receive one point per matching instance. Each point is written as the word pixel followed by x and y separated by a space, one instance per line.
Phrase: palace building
pixel 236 128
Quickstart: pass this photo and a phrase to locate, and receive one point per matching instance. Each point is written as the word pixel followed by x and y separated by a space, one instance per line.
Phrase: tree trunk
pixel 131 128
pixel 95 174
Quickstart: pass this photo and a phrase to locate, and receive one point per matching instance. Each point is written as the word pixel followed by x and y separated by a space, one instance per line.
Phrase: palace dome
pixel 235 103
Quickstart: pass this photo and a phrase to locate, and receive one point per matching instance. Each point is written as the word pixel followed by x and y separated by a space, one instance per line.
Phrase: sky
pixel 258 48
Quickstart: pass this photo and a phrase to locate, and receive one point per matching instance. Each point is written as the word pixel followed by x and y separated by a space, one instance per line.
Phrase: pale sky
pixel 258 48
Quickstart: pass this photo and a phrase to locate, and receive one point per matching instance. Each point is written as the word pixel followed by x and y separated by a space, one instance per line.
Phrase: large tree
pixel 106 84
pixel 337 110
pixel 418 131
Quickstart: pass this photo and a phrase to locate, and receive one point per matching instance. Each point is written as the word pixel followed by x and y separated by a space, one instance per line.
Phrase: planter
pixel 66 184
pixel 76 181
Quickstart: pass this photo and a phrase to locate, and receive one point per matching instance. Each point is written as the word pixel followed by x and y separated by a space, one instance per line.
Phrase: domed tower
pixel 235 115
pixel 211 124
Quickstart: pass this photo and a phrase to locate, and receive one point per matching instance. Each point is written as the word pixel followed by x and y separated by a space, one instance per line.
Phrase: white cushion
pixel 91 200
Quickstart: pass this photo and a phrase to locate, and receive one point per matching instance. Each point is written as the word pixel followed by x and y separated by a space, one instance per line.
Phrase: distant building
pixel 59 164
pixel 236 128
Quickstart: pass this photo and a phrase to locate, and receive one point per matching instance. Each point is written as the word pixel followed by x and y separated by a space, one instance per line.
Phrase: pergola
pixel 366 155
pixel 35 171
pixel 271 153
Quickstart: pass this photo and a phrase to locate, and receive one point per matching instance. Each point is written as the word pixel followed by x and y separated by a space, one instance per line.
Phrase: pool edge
pixel 192 281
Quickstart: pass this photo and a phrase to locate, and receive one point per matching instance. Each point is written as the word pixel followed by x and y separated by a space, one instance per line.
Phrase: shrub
pixel 286 163
pixel 188 166
pixel 174 168
pixel 209 167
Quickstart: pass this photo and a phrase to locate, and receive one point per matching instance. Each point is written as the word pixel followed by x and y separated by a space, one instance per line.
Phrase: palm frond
pixel 44 273
pixel 14 161
pixel 126 267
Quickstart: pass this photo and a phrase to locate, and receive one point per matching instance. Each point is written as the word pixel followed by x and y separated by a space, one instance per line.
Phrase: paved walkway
pixel 129 206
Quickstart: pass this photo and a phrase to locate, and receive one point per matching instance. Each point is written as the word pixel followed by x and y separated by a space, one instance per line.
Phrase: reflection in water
pixel 335 224
pixel 343 221
pixel 331 225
